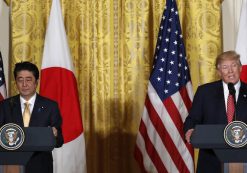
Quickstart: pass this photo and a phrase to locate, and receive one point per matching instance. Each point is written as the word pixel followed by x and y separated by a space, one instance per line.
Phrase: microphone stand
pixel 235 107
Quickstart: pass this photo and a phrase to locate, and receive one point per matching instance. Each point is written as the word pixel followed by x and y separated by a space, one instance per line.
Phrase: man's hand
pixel 54 131
pixel 188 135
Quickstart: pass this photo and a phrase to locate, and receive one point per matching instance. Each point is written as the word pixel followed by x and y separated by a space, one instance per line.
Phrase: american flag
pixel 3 92
pixel 160 145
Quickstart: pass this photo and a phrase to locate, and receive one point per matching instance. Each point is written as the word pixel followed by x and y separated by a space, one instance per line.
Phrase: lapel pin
pixel 40 108
pixel 244 95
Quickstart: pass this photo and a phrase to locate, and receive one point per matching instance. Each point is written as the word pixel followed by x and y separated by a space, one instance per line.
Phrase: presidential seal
pixel 11 136
pixel 235 134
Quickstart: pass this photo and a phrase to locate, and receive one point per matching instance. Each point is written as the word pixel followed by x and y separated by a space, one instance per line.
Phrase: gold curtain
pixel 112 44
pixel 203 38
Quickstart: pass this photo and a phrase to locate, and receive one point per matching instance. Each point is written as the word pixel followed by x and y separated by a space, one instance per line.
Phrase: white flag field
pixel 241 45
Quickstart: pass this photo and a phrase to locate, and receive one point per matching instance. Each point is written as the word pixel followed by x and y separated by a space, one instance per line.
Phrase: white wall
pixel 231 10
pixel 4 37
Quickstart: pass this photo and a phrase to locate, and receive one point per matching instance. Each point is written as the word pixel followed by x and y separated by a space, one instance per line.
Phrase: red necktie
pixel 230 108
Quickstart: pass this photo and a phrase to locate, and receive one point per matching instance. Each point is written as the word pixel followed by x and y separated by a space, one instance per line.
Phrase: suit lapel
pixel 17 118
pixel 220 101
pixel 242 94
pixel 16 110
pixel 36 111
pixel 241 103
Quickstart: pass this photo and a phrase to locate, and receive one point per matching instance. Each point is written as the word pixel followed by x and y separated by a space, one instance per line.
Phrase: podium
pixel 36 139
pixel 212 137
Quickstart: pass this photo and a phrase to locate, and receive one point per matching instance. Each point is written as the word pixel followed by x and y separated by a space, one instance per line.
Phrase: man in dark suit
pixel 210 106
pixel 43 112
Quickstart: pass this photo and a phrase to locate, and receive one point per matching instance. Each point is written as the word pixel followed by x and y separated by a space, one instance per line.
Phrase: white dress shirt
pixel 31 102
pixel 226 91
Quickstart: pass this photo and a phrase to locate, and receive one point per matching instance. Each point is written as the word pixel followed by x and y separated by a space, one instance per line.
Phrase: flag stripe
pixel 187 101
pixel 180 105
pixel 151 150
pixel 164 135
pixel 189 92
pixel 174 114
pixel 158 144
pixel 3 94
pixel 164 115
pixel 183 103
pixel 172 133
pixel 147 164
pixel 138 156
pixel 3 91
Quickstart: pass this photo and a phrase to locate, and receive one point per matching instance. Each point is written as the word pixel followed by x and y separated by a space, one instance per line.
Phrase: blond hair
pixel 228 55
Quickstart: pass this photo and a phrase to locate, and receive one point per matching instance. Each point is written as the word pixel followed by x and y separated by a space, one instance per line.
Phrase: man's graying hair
pixel 228 55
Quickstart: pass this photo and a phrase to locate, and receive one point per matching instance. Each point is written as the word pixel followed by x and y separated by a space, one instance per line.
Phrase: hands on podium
pixel 188 135
pixel 54 131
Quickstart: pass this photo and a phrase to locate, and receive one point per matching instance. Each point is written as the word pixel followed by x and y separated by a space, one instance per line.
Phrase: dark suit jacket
pixel 209 108
pixel 45 113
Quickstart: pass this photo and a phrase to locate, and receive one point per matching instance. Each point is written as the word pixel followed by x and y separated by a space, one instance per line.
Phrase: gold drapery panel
pixel 112 44
pixel 203 34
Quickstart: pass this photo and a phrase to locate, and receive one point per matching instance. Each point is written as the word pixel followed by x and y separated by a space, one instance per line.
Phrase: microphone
pixel 231 89
pixel 232 92
pixel 12 106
